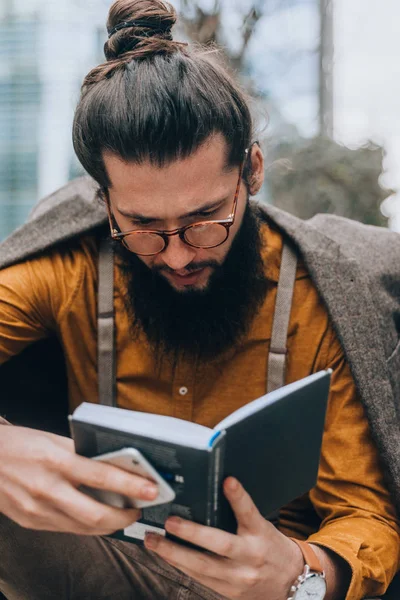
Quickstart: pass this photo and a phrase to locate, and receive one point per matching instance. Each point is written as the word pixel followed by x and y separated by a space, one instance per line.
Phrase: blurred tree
pixel 320 175
pixel 204 26
pixel 306 176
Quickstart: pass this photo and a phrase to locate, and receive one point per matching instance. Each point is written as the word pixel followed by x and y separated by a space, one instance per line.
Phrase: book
pixel 271 445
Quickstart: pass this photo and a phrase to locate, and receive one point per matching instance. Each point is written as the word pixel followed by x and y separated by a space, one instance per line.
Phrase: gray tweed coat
pixel 356 269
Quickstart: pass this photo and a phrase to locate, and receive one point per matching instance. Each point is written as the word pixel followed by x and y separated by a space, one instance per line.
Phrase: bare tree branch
pixel 205 27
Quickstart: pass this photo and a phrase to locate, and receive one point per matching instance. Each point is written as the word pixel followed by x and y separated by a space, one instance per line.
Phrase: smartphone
pixel 132 460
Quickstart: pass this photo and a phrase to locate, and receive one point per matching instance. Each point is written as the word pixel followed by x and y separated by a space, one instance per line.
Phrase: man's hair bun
pixel 144 25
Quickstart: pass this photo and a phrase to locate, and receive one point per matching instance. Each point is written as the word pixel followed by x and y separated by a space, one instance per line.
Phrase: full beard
pixel 198 324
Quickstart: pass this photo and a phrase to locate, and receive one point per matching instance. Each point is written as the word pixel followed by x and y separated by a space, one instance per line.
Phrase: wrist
pixel 337 570
pixel 311 580
pixel 295 567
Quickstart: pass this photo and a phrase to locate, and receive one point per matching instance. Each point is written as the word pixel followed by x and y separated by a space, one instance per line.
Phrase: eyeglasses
pixel 204 234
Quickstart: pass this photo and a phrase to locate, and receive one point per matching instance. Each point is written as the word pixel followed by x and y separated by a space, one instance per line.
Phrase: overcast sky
pixel 367 78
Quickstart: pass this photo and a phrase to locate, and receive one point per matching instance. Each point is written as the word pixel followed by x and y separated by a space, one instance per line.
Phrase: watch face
pixel 313 588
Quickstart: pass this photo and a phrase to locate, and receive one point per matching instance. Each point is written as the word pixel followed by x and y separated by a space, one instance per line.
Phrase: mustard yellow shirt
pixel 349 511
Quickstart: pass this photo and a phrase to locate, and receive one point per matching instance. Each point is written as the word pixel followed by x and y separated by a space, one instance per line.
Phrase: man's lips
pixel 183 276
pixel 186 273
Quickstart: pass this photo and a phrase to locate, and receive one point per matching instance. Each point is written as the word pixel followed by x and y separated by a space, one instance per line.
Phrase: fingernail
pixel 150 491
pixel 173 522
pixel 151 541
pixel 233 485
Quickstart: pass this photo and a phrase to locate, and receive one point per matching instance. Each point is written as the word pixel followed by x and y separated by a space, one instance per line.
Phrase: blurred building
pixel 45 50
pixel 20 96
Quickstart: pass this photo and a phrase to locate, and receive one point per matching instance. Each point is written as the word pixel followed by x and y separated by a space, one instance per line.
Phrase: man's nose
pixel 177 255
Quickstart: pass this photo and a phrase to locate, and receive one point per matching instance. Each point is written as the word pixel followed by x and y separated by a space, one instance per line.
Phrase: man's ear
pixel 255 177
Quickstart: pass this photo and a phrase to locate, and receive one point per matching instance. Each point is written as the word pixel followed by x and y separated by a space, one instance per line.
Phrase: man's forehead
pixel 211 157
pixel 189 183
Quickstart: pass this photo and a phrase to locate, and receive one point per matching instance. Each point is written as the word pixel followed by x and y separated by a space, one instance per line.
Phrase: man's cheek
pixel 149 261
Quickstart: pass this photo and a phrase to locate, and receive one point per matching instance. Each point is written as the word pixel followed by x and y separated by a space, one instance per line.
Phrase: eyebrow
pixel 193 213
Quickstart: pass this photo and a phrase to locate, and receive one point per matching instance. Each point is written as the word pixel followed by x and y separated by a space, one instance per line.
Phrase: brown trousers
pixel 36 565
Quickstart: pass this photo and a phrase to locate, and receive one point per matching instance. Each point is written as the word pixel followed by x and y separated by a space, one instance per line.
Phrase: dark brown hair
pixel 155 99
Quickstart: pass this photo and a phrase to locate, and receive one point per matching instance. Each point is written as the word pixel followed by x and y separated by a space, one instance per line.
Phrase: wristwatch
pixel 311 584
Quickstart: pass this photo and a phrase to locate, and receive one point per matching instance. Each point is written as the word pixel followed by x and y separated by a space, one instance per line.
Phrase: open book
pixel 272 445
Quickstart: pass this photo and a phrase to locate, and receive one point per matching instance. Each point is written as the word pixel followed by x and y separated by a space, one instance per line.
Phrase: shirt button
pixel 183 391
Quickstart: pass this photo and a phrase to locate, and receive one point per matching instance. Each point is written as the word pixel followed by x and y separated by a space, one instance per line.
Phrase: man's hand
pixel 257 563
pixel 39 479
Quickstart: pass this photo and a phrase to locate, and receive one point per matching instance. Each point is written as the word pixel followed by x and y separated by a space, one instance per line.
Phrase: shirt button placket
pixel 183 389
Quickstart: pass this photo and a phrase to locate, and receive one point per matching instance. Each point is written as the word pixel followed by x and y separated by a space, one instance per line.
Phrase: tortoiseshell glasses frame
pixel 149 242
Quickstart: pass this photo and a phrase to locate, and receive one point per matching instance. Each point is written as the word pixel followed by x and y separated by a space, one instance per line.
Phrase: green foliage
pixel 321 176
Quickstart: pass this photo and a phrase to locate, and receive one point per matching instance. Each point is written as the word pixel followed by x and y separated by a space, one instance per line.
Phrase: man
pixel 166 134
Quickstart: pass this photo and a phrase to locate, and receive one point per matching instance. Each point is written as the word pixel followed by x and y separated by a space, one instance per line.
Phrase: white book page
pixel 159 427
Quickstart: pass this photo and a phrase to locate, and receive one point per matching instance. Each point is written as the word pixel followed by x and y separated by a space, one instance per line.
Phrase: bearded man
pixel 166 135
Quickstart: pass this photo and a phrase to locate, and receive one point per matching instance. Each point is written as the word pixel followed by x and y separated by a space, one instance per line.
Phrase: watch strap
pixel 310 558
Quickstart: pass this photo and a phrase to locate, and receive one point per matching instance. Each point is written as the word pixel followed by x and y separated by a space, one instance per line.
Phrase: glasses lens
pixel 144 243
pixel 206 235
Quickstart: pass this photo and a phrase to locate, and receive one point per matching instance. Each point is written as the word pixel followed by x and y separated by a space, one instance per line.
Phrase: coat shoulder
pixel 374 248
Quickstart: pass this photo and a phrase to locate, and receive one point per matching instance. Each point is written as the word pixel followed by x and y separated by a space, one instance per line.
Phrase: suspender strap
pixel 105 323
pixel 280 326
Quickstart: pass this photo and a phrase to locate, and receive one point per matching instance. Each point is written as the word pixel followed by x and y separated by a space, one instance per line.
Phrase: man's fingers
pixel 217 541
pixel 103 476
pixel 246 512
pixel 219 574
pixel 187 558
pixel 60 440
pixel 214 540
pixel 65 510
pixel 96 518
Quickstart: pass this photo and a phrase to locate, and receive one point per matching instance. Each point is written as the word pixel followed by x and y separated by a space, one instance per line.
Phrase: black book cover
pixel 275 452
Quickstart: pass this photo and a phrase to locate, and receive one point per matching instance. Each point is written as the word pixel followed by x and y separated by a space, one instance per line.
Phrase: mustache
pixel 189 268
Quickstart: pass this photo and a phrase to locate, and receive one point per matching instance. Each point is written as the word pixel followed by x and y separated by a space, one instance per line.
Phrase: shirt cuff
pixel 348 550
